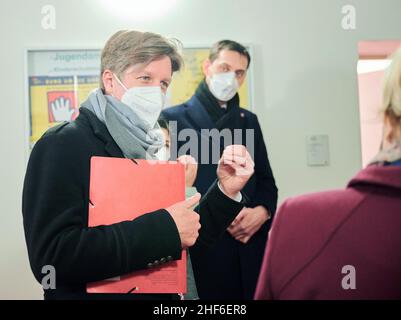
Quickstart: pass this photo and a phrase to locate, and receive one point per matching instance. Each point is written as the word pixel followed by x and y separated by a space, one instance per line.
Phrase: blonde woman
pixel 344 244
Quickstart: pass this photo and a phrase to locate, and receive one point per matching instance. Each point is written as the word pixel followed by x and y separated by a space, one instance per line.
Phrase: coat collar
pixel 197 112
pixel 200 118
pixel 379 176
pixel 101 132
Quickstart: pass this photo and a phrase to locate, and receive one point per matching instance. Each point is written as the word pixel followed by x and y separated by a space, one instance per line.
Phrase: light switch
pixel 317 150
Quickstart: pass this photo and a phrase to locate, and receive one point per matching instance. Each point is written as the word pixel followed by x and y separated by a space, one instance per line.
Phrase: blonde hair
pixel 391 105
pixel 127 48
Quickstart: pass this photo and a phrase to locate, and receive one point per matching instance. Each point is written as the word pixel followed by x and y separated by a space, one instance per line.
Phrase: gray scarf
pixel 136 139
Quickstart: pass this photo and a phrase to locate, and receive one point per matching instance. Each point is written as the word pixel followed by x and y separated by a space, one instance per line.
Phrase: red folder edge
pixel 156 185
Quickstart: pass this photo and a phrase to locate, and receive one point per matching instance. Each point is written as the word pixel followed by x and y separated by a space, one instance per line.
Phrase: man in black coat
pixel 230 269
pixel 56 188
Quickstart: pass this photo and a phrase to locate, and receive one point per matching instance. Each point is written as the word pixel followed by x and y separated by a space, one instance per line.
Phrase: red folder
pixel 124 189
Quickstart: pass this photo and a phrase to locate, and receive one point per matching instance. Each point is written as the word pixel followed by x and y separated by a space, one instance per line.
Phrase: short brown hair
pixel 228 45
pixel 128 47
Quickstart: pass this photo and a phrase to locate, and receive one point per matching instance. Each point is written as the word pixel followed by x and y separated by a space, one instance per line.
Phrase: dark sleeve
pixel 266 190
pixel 216 211
pixel 55 214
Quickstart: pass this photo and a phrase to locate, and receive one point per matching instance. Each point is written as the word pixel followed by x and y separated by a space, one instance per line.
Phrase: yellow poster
pixel 59 81
pixel 54 100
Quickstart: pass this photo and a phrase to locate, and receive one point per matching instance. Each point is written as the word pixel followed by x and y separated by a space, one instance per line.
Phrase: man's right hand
pixel 186 220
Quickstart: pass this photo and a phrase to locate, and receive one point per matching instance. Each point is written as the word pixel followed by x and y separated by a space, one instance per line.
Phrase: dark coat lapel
pixel 199 117
pixel 101 132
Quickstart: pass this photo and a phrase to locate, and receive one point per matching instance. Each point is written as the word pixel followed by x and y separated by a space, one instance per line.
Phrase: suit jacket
pixel 343 244
pixel 229 269
pixel 55 212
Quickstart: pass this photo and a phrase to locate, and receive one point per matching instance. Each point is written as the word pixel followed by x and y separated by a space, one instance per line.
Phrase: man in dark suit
pixel 117 121
pixel 230 269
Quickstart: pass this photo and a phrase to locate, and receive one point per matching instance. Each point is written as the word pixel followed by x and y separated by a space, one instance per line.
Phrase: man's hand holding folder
pixel 186 220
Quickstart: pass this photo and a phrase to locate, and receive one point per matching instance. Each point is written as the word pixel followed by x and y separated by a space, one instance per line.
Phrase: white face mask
pixel 146 102
pixel 224 86
pixel 163 154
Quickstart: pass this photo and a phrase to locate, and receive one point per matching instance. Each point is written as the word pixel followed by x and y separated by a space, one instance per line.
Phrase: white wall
pixel 305 83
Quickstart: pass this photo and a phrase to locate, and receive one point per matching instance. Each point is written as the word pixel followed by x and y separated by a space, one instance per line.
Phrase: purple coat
pixel 343 244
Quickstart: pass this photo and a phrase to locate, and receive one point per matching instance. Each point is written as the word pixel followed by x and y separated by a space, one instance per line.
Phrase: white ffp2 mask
pixel 163 154
pixel 146 102
pixel 224 86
